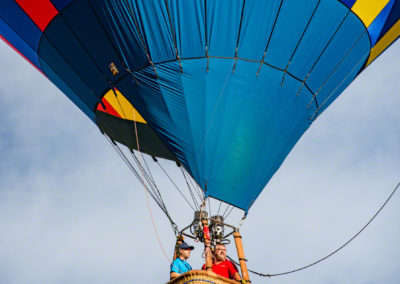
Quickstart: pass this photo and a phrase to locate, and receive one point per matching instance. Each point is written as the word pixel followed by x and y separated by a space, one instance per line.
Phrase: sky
pixel 71 211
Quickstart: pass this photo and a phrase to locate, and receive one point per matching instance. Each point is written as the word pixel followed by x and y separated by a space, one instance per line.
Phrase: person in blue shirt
pixel 180 265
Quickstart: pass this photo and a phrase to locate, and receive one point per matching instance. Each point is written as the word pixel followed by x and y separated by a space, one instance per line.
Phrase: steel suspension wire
pixel 174 226
pixel 332 253
pixel 196 204
pixel 133 170
pixel 177 188
pixel 149 180
pixel 230 211
pixel 219 207
pixel 226 209
pixel 195 186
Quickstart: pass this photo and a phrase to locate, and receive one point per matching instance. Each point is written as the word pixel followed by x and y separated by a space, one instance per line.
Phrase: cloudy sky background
pixel 71 212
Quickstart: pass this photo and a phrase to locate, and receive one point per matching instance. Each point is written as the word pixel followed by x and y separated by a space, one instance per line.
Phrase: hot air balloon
pixel 224 88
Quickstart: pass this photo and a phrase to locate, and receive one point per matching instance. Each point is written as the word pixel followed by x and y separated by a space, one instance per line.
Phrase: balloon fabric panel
pixel 19 30
pixel 375 28
pixel 259 17
pixel 228 86
pixel 40 11
pixel 188 22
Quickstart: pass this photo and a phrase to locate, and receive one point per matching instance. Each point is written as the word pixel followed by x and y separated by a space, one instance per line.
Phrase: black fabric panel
pixel 123 131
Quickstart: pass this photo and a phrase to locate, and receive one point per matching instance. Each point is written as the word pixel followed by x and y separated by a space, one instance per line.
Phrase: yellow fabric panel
pixel 367 10
pixel 123 106
pixel 384 42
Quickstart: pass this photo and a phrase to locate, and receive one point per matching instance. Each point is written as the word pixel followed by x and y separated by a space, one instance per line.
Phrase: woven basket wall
pixel 201 277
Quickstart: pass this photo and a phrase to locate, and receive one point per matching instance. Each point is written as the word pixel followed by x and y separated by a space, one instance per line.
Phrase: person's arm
pixel 236 276
pixel 173 275
pixel 174 270
pixel 233 271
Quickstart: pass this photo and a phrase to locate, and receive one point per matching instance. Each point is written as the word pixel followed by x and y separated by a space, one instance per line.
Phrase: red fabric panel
pixel 109 109
pixel 40 11
pixel 6 41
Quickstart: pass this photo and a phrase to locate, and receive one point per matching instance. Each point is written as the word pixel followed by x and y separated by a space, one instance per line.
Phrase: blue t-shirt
pixel 180 266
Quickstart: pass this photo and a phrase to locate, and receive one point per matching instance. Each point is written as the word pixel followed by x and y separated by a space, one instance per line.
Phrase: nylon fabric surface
pixel 229 86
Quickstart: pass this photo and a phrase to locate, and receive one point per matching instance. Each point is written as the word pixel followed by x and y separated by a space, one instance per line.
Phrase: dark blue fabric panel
pixel 344 72
pixel 223 21
pixel 287 33
pixel 322 27
pixel 344 40
pixel 88 30
pixel 348 3
pixel 153 18
pixel 188 22
pixel 65 42
pixel 258 19
pixel 13 38
pixel 375 28
pixel 58 65
pixel 393 17
pixel 62 85
pixel 61 4
pixel 117 22
pixel 15 17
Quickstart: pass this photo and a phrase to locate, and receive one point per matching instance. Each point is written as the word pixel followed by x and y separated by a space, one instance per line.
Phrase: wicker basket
pixel 201 277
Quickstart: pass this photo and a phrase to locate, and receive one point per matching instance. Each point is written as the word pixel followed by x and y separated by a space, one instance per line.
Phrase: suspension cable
pixel 219 207
pixel 149 180
pixel 199 191
pixel 196 204
pixel 148 202
pixel 226 209
pixel 332 253
pixel 230 211
pixel 184 197
pixel 133 170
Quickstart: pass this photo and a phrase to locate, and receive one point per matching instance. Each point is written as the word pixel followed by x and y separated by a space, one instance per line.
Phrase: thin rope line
pixel 340 84
pixel 153 186
pixel 151 182
pixel 194 184
pixel 133 170
pixel 173 36
pixel 314 98
pixel 332 253
pixel 269 38
pixel 299 41
pixel 190 191
pixel 226 209
pixel 148 201
pixel 176 186
pixel 219 207
pixel 240 29
pixel 230 211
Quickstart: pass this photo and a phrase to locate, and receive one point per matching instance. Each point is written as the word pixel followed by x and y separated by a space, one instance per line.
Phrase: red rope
pixel 147 197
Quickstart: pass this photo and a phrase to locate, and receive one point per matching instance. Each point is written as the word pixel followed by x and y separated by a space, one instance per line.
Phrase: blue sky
pixel 70 211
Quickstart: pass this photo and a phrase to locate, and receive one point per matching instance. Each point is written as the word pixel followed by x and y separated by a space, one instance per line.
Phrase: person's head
pixel 220 252
pixel 185 250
